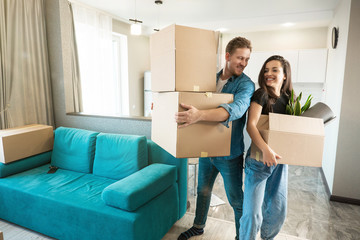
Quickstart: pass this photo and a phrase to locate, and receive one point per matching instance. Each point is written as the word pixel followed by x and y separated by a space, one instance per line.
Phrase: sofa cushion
pixel 68 205
pixel 117 156
pixel 74 149
pixel 141 187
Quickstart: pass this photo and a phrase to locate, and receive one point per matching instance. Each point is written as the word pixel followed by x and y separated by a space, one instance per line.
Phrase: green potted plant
pixel 294 106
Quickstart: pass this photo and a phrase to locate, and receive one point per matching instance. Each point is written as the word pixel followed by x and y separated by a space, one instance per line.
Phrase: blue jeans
pixel 265 200
pixel 231 171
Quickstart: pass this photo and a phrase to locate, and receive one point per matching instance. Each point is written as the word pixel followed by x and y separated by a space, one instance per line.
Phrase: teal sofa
pixel 107 186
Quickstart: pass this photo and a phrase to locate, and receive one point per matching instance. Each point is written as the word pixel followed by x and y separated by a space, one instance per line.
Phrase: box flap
pixel 163 40
pixel 195 39
pixel 263 123
pixel 163 124
pixel 296 124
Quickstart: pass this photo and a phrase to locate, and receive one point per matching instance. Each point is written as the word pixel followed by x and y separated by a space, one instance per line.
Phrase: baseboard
pixel 335 198
pixel 345 200
pixel 327 189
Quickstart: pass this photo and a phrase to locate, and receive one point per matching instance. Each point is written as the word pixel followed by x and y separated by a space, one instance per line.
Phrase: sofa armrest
pixel 159 155
pixel 132 192
pixel 24 164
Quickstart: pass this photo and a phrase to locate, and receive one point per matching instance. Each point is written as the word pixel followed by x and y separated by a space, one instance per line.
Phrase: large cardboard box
pixel 202 139
pixel 183 59
pixel 22 142
pixel 298 140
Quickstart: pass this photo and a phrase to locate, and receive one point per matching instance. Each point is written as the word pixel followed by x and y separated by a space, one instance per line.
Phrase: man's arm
pixel 193 115
pixel 225 113
pixel 241 102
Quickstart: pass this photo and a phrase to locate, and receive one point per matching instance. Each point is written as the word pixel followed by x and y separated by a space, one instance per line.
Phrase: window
pixel 103 63
pixel 121 77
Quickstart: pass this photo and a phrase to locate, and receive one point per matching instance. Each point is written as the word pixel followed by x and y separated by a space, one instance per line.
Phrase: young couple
pixel 263 203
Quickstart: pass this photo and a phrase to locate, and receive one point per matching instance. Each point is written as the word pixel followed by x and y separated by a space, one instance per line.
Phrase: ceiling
pixel 226 15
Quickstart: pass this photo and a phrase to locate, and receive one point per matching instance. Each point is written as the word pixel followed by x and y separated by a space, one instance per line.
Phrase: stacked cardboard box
pixel 25 141
pixel 183 69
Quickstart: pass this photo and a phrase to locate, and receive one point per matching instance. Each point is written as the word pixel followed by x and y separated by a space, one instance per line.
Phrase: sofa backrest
pixel 74 149
pixel 117 156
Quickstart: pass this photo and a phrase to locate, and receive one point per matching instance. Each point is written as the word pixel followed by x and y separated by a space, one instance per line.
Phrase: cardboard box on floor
pixel 183 59
pixel 25 141
pixel 298 140
pixel 202 139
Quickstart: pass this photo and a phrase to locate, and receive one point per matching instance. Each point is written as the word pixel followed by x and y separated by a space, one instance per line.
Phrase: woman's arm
pixel 269 156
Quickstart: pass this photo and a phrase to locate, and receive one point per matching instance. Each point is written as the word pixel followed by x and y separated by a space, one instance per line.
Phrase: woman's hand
pixel 270 157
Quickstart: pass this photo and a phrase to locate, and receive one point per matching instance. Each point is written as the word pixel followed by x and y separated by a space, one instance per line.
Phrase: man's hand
pixel 190 116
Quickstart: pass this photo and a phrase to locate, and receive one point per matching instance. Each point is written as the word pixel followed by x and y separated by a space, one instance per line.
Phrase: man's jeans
pixel 265 200
pixel 231 171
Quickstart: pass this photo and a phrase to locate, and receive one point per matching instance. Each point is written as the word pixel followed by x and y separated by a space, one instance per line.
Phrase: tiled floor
pixel 310 214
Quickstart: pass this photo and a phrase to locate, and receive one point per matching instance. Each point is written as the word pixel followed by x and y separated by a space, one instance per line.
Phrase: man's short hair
pixel 238 42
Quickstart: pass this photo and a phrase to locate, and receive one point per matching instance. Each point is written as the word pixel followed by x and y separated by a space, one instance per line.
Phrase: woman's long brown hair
pixel 270 91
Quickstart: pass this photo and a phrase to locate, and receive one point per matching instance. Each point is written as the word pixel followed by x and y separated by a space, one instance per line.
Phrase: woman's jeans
pixel 265 200
pixel 231 171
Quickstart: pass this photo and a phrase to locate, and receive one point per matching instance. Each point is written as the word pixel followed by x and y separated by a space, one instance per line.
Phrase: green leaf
pixel 299 97
pixel 307 104
pixel 289 110
pixel 297 109
pixel 292 97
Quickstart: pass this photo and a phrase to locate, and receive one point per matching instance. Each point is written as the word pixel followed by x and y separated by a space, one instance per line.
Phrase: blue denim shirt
pixel 242 88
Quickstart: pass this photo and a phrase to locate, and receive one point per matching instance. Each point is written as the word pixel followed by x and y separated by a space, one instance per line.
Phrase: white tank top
pixel 220 85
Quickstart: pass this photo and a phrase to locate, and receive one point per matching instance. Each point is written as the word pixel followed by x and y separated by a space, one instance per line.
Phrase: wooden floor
pixel 216 229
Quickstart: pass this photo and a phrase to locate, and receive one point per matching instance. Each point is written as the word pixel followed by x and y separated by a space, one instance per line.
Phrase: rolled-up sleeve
pixel 241 102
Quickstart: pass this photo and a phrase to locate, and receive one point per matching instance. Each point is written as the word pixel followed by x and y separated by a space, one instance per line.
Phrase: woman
pixel 265 195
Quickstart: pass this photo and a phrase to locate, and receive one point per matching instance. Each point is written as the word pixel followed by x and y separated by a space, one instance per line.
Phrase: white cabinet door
pixel 312 65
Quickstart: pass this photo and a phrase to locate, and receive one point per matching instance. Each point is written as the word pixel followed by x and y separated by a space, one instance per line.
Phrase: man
pixel 230 79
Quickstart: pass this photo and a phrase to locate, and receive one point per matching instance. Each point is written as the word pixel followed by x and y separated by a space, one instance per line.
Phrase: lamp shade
pixel 135 29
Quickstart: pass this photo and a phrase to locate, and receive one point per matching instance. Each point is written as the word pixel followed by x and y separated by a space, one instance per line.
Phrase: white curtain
pixel 25 89
pixel 100 91
pixel 76 82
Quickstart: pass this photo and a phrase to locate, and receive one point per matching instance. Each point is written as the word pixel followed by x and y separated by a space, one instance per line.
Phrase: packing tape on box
pixel 208 94
pixel 196 88
pixel 257 156
pixel 204 154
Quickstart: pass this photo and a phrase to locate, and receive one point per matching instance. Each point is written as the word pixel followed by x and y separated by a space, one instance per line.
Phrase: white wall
pixel 347 165
pixel 284 40
pixel 334 86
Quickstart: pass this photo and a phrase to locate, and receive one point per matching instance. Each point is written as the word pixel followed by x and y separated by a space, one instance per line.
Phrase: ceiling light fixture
pixel 158 2
pixel 135 28
pixel 288 24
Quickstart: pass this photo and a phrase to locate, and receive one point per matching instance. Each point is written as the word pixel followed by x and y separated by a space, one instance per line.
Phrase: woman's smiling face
pixel 274 75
